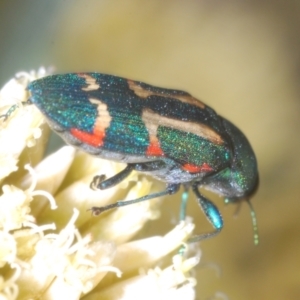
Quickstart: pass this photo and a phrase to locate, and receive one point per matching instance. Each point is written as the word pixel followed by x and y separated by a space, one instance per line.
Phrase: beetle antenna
pixel 254 223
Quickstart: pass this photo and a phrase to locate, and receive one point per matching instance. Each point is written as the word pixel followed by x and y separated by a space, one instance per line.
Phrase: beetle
pixel 165 133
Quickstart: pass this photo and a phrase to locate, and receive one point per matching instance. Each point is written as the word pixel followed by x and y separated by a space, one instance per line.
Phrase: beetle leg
pixel 99 181
pixel 184 200
pixel 13 108
pixel 170 189
pixel 9 112
pixel 150 166
pixel 212 214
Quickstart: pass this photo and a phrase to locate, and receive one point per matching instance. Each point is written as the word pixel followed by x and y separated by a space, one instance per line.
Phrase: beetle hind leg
pixel 212 214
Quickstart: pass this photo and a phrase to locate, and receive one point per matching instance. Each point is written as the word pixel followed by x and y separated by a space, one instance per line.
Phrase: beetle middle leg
pixel 170 189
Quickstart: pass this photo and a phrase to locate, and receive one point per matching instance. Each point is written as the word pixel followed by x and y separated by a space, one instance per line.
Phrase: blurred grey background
pixel 240 57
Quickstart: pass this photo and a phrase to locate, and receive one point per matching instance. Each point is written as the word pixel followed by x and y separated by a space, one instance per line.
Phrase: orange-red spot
pixel 154 149
pixel 197 169
pixel 94 139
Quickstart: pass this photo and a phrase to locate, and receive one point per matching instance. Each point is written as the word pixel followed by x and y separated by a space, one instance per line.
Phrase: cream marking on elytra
pixel 152 120
pixel 92 85
pixel 103 119
pixel 143 93
pixel 152 129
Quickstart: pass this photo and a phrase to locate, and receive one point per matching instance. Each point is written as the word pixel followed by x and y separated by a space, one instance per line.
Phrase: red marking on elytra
pixel 95 139
pixel 154 150
pixel 197 169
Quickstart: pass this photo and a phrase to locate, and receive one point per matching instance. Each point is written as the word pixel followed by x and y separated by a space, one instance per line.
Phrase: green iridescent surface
pixel 241 179
pixel 244 167
pixel 185 147
pixel 61 99
pixel 127 134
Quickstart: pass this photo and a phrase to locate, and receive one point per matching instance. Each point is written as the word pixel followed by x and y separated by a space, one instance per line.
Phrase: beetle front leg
pixel 99 181
pixel 212 214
